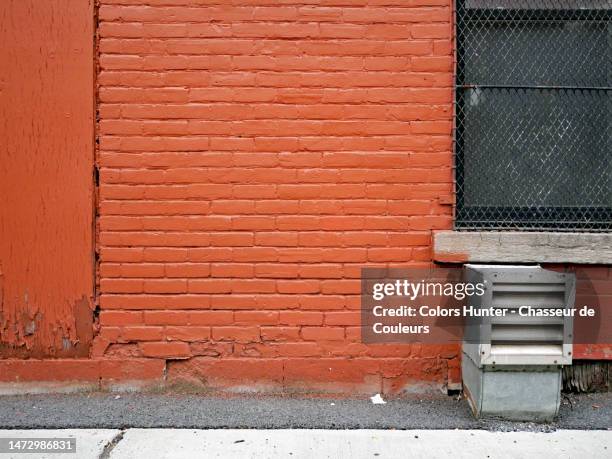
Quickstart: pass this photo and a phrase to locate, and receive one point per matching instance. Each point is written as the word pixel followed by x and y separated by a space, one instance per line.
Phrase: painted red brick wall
pixel 253 156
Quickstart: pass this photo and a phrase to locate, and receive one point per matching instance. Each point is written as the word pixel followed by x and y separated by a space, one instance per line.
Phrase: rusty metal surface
pixel 46 181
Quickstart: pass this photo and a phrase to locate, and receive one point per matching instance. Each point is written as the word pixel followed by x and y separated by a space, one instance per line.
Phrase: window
pixel 534 114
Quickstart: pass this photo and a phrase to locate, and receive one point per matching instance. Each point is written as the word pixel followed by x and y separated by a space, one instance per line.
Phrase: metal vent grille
pixel 534 115
pixel 515 339
pixel 514 334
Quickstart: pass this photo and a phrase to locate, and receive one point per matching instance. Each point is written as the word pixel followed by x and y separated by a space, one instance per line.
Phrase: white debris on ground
pixel 377 400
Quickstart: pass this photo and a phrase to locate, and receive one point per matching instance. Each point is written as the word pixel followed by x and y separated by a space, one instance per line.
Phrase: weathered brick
pixel 165 349
pixel 187 333
pixel 235 333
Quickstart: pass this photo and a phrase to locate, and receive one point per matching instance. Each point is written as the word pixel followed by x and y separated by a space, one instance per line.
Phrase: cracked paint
pixel 46 178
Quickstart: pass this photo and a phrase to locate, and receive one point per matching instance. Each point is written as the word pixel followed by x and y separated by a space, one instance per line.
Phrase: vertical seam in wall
pixel 454 108
pixel 96 176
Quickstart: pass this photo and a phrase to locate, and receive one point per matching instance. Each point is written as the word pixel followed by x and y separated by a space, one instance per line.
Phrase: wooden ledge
pixel 522 247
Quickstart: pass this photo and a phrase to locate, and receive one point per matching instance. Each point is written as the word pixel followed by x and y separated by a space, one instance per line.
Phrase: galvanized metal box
pixel 512 361
pixel 530 393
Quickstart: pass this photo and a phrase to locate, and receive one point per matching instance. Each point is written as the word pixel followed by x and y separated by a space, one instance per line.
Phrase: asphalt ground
pixel 148 410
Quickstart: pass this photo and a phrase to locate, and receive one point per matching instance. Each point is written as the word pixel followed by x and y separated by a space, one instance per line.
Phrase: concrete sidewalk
pixel 308 444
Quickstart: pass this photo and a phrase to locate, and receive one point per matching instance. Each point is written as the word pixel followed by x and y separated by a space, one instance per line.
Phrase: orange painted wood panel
pixel 46 177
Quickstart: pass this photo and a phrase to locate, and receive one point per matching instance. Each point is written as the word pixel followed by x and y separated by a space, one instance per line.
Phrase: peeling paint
pixel 46 217
pixel 2 325
pixel 30 328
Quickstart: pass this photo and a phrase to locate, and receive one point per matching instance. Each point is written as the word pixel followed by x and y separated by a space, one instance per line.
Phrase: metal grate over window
pixel 533 134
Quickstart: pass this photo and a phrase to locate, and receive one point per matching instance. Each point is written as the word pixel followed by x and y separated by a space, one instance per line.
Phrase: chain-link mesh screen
pixel 534 114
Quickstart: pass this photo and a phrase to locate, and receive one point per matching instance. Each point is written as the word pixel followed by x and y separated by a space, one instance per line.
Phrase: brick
pixel 166 318
pixel 280 333
pixel 163 349
pixel 431 64
pixel 323 333
pixel 256 317
pixel 276 270
pixel 277 239
pixel 298 286
pixel 431 31
pixel 231 302
pixel 158 302
pixel 276 301
pixel 210 318
pixel 255 254
pixel 121 318
pixel 209 286
pixel 165 286
pixel 364 239
pixel 343 318
pixel 109 333
pixel 131 369
pixel 319 239
pixel 232 270
pixel 114 254
pixel 300 318
pixel 321 271
pixel 232 239
pixel 409 239
pixel 187 270
pixel 322 302
pixel 390 255
pixel 237 334
pixel 229 372
pixel 142 333
pixel 253 286
pixel 333 370
pixel 298 349
pixel 343 287
pixel 142 270
pixel 187 333
pixel 252 223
